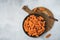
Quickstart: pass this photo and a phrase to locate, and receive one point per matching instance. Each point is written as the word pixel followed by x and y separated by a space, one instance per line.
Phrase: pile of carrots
pixel 34 26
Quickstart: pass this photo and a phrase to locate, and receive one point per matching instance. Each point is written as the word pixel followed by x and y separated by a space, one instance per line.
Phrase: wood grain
pixel 47 12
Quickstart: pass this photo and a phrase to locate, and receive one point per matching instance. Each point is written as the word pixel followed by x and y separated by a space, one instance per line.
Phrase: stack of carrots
pixel 34 26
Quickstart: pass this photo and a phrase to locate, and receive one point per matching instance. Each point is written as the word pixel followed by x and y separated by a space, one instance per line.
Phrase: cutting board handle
pixel 25 8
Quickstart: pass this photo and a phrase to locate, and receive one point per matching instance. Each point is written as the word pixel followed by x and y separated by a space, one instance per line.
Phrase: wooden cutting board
pixel 42 10
pixel 47 12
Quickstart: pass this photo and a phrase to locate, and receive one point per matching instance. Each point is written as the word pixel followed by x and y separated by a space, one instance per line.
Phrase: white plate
pixel 12 16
